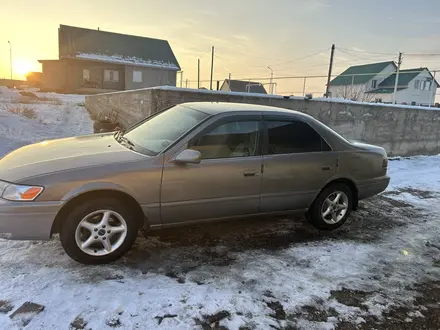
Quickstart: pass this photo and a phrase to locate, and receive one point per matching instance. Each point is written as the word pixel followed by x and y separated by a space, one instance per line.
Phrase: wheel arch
pixel 350 183
pixel 101 193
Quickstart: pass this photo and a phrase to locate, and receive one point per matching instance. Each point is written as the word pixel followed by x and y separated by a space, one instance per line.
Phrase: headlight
pixel 13 192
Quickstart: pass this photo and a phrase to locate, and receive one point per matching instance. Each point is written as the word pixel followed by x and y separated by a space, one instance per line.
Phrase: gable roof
pixel 242 86
pixel 112 47
pixel 405 77
pixel 360 74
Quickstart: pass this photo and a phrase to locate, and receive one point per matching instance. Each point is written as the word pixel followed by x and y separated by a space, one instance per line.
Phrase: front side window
pixel 158 132
pixel 290 137
pixel 229 140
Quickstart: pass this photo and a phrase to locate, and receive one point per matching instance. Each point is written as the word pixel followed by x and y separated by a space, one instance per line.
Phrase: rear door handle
pixel 250 173
pixel 326 167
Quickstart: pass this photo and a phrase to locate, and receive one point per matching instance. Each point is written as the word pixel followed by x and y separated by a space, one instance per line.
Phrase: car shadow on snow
pixel 175 252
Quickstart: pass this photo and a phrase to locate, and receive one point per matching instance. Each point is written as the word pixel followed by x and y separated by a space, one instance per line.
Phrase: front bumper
pixel 373 187
pixel 27 220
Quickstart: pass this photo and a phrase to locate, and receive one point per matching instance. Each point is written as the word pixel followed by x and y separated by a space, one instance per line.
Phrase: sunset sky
pixel 248 35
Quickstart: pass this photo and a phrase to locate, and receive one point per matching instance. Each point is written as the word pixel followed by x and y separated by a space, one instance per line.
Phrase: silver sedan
pixel 191 163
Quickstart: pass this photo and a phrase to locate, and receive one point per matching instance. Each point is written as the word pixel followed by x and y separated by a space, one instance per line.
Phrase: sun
pixel 21 67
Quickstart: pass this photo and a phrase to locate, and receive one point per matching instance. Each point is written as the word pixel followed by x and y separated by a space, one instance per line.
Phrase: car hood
pixel 369 147
pixel 62 155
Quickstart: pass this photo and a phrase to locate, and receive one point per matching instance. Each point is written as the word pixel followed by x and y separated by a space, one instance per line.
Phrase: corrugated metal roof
pixel 405 77
pixel 74 41
pixel 360 74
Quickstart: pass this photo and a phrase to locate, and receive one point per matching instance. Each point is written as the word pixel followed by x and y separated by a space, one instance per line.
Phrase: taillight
pixel 385 163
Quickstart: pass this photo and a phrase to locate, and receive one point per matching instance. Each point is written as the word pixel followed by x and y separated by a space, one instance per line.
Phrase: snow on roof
pixel 127 60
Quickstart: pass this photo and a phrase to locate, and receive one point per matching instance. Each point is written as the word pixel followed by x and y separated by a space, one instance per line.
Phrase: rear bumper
pixel 373 187
pixel 27 220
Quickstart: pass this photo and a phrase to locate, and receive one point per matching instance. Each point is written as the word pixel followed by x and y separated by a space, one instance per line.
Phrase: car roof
pixel 214 108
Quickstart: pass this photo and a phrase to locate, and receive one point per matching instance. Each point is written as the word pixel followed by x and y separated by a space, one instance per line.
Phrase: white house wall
pixel 411 94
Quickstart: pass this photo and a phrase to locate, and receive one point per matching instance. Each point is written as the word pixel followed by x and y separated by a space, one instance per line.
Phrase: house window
pixel 373 83
pixel 417 84
pixel 427 86
pixel 137 76
pixel 111 75
pixel 86 75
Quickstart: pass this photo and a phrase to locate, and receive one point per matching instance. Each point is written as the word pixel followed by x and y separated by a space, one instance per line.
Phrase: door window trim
pixel 267 119
pixel 230 119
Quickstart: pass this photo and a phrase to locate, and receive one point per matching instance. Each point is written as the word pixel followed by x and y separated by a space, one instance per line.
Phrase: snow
pixel 127 60
pixel 57 116
pixel 136 289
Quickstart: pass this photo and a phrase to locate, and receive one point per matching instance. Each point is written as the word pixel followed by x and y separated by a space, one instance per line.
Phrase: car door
pixel 297 163
pixel 226 182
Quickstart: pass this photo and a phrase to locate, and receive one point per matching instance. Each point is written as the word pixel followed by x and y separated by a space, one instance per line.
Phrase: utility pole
pixel 432 101
pixel 10 56
pixel 212 67
pixel 186 83
pixel 181 79
pixel 198 73
pixel 330 67
pixel 399 62
pixel 271 80
pixel 304 86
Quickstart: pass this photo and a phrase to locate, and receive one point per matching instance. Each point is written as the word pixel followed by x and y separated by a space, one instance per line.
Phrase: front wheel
pixel 332 207
pixel 99 231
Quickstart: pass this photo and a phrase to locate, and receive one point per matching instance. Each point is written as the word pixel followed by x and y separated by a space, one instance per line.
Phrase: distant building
pixel 93 61
pixel 243 86
pixel 376 81
pixel 34 78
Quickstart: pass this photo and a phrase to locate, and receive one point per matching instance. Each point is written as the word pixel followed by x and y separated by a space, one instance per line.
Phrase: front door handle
pixel 250 173
pixel 326 167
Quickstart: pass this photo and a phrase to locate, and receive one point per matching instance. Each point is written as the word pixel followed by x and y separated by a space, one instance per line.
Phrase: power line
pixel 323 76
pixel 355 56
pixel 365 52
pixel 302 58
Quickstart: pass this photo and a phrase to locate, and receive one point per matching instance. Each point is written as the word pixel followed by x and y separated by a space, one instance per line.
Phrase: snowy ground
pixel 253 274
pixel 56 116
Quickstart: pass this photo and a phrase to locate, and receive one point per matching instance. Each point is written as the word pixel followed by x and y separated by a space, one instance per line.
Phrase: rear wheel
pixel 99 231
pixel 332 207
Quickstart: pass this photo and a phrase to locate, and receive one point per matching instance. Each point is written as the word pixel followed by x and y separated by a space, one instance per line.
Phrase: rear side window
pixel 290 137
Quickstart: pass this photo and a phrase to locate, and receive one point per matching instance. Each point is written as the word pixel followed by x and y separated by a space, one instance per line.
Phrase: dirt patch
pixel 278 309
pixel 312 313
pixel 422 194
pixel 424 314
pixel 354 298
pixel 213 321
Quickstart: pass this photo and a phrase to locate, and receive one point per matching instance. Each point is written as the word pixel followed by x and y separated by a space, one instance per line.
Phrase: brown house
pixel 95 61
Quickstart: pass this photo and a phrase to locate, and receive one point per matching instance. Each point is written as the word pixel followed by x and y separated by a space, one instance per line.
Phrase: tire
pixel 90 214
pixel 337 217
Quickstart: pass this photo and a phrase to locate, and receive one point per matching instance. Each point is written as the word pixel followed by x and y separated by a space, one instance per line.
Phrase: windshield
pixel 157 133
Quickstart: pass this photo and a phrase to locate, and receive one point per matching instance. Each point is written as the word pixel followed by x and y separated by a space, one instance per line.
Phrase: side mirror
pixel 188 156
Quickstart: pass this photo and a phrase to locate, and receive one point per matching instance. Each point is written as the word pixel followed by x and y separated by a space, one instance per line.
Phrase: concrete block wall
pixel 401 130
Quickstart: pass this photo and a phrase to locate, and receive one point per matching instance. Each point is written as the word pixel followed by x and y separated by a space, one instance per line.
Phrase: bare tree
pixel 353 92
